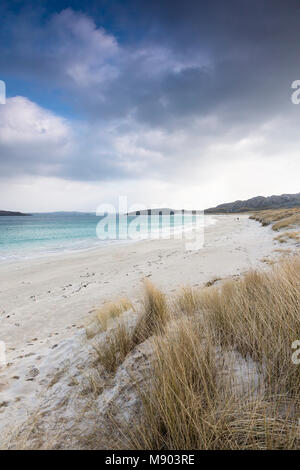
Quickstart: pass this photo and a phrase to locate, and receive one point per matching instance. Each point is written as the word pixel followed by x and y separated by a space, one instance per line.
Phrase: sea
pixel 42 234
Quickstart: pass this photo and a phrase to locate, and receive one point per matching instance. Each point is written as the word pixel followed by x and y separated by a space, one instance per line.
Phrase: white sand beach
pixel 45 301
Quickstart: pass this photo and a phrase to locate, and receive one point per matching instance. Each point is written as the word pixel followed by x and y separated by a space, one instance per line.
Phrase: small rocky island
pixel 9 213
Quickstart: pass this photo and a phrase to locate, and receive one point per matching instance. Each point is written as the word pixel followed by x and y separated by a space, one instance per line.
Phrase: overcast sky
pixel 173 103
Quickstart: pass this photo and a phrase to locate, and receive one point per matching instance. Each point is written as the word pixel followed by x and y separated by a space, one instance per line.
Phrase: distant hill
pixel 10 213
pixel 257 204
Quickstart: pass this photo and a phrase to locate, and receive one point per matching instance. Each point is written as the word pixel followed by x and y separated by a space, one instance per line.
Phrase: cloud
pixel 32 139
pixel 68 50
pixel 180 93
pixel 85 52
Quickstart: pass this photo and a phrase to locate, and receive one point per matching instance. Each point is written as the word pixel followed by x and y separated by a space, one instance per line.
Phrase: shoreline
pixel 94 244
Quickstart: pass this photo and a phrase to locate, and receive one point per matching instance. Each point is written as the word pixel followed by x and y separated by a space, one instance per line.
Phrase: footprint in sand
pixel 4 404
pixel 31 374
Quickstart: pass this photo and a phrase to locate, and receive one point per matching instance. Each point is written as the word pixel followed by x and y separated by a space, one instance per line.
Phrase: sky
pixel 183 104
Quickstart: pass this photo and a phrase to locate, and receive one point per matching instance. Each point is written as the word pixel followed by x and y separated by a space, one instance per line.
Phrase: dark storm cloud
pixel 149 67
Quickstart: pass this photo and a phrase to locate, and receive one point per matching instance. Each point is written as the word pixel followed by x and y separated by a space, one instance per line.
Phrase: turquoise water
pixel 39 234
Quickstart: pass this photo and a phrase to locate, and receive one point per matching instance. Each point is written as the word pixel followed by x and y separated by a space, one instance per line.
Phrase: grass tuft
pixel 154 316
pixel 284 237
pixel 118 344
pixel 106 315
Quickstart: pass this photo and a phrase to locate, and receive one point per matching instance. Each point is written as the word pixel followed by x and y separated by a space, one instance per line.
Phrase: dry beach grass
pixel 288 219
pixel 195 399
pixel 279 218
pixel 189 405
